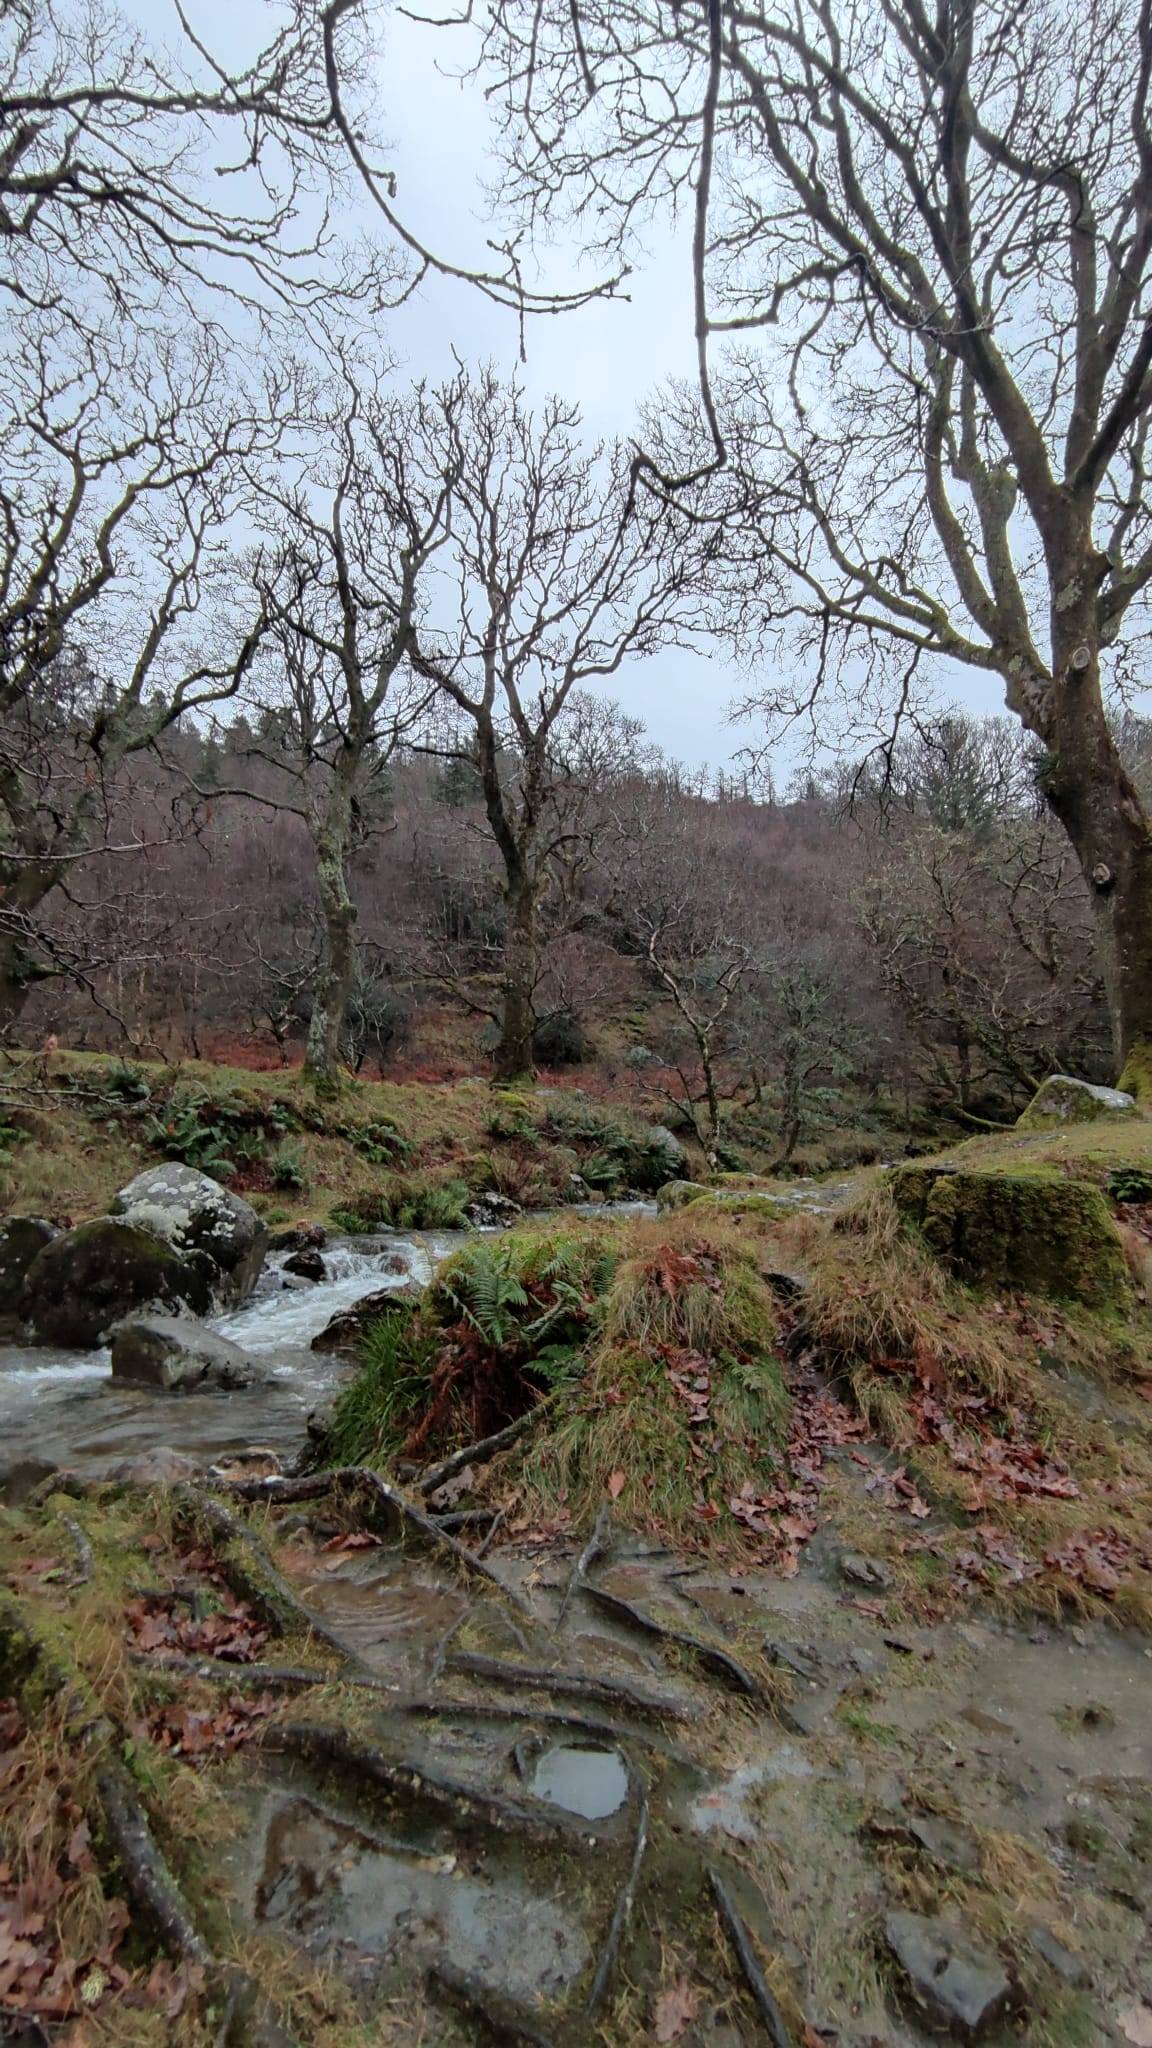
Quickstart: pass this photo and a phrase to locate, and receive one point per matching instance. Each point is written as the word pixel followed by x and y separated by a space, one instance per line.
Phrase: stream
pixel 64 1406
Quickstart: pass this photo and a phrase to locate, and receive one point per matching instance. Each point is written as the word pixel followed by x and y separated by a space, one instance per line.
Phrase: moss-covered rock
pixel 677 1194
pixel 1063 1100
pixel 22 1239
pixel 82 1283
pixel 1018 1232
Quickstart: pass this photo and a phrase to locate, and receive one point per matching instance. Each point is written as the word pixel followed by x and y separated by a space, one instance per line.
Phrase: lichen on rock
pixel 1064 1100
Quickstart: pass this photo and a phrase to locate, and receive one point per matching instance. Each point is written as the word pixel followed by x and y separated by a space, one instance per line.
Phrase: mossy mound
pixel 681 1404
pixel 1062 1100
pixel 1017 1232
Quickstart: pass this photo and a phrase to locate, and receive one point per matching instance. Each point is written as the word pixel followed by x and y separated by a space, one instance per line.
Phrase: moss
pixel 681 1402
pixel 1016 1232
pixel 678 1194
pixel 1136 1078
pixel 1061 1101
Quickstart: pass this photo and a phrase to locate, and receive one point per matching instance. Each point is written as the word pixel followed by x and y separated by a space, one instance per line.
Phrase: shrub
pixel 561 1040
pixel 288 1170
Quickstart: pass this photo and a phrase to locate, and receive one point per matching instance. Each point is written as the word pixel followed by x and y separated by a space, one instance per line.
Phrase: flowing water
pixel 64 1406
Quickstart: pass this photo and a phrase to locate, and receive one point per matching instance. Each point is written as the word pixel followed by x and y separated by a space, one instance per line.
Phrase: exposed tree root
pixel 621 1912
pixel 574 1685
pixel 480 1453
pixel 290 1678
pixel 595 1547
pixel 321 1743
pixel 359 1477
pixel 754 1976
pixel 501 2019
pixel 31 1666
pixel 259 1583
pixel 713 1659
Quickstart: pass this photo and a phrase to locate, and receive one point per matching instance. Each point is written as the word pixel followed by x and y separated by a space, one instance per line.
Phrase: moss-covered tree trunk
pixel 1089 789
pixel 513 1058
pixel 332 833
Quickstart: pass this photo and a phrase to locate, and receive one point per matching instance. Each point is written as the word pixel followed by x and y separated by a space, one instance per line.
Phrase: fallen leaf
pixel 617 1481
pixel 674 2010
pixel 1135 2023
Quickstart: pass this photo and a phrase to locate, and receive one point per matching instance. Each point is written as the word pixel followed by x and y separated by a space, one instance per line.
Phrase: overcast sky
pixel 608 356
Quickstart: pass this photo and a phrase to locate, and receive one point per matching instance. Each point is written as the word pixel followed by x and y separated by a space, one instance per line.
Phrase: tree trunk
pixel 513 1059
pixel 337 973
pixel 1088 788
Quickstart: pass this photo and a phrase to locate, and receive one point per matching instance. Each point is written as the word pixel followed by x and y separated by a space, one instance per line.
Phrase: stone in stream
pixel 194 1214
pixel 21 1239
pixel 90 1278
pixel 344 1333
pixel 956 1984
pixel 306 1264
pixel 298 1237
pixel 177 1355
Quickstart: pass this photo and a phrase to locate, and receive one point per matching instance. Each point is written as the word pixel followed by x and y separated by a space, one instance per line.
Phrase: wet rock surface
pixel 958 1985
pixel 176 1355
pixel 21 1239
pixel 87 1280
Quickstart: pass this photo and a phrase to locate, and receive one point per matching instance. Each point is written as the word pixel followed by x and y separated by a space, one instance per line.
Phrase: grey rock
pixel 673 1157
pixel 956 1984
pixel 193 1213
pixel 21 1239
pixel 180 1356
pixel 490 1210
pixel 161 1466
pixel 344 1334
pixel 1063 1961
pixel 306 1264
pixel 944 1841
pixel 90 1278
pixel 864 1571
pixel 1064 1100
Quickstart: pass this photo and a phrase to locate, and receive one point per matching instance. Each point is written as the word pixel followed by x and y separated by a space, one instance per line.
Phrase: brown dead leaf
pixel 617 1481
pixel 674 2010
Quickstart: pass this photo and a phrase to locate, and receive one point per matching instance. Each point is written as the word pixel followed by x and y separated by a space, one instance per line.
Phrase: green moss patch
pixel 1017 1232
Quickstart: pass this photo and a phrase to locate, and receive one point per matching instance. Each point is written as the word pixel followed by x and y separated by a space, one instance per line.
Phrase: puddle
pixel 590 1782
pixel 370 1901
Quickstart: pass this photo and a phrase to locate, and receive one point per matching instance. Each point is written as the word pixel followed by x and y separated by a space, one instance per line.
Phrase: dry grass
pixel 688 1312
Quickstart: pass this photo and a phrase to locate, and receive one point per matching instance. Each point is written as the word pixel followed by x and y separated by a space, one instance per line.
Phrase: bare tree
pixel 554 586
pixel 938 222
pixel 342 592
pixel 121 479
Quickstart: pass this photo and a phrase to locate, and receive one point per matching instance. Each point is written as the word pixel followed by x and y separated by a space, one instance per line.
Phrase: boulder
pixel 955 1984
pixel 180 1357
pixel 89 1278
pixel 161 1466
pixel 344 1334
pixel 1018 1232
pixel 1063 1100
pixel 20 1240
pixel 677 1194
pixel 669 1156
pixel 193 1213
pixel 306 1264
